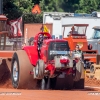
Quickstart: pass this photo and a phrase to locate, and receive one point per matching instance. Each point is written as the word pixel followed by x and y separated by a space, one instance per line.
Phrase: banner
pixel 14 28
pixel 45 29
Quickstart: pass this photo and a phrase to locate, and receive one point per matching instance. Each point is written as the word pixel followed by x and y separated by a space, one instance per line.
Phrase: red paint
pixel 76 60
pixel 32 54
pixel 68 71
pixel 36 9
pixel 31 73
pixel 32 50
pixel 64 61
pixel 51 68
pixel 43 33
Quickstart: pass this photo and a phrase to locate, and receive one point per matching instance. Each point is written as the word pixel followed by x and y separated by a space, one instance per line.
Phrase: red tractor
pixel 47 64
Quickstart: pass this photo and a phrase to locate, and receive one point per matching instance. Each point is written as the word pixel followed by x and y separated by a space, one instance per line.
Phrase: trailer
pixel 94 41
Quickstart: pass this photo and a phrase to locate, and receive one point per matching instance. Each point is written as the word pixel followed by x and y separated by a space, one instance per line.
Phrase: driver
pixel 72 31
pixel 40 40
pixel 78 51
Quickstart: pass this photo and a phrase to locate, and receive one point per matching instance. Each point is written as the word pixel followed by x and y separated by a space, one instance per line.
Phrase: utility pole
pixel 1 7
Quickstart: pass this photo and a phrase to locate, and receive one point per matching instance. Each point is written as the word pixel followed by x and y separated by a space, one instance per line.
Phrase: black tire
pixel 79 67
pixel 24 79
pixel 39 70
pixel 90 47
pixel 92 69
pixel 69 82
pixel 62 83
pixel 53 82
pixel 79 84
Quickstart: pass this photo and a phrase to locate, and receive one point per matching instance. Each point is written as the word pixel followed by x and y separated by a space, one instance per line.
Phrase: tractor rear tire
pixel 79 67
pixel 39 70
pixel 92 69
pixel 20 71
pixel 62 83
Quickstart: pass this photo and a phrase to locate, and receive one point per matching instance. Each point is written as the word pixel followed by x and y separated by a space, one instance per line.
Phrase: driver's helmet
pixel 45 37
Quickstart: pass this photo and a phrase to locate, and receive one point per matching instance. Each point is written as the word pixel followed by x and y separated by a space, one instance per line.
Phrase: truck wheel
pixel 20 71
pixel 79 68
pixel 39 69
pixel 92 69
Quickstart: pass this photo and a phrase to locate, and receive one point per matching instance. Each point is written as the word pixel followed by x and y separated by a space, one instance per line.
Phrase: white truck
pixel 94 41
pixel 61 18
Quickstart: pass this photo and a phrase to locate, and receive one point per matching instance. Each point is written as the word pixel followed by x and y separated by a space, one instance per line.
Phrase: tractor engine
pixel 59 53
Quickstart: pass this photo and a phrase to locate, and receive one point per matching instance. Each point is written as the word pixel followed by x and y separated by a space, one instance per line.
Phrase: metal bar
pixel 63 32
pixel 0 41
pixel 1 7
pixel 4 42
pixel 6 54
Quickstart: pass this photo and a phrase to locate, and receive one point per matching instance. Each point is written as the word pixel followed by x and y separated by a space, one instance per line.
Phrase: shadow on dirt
pixel 5 80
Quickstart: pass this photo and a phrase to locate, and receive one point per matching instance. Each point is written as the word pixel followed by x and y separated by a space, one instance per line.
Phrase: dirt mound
pixel 92 82
pixel 5 80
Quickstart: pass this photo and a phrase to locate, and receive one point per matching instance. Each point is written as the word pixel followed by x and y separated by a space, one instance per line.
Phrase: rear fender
pixel 32 54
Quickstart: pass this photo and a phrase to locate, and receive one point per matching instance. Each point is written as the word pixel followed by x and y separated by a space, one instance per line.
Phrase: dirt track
pixel 92 82
pixel 6 90
pixel 48 94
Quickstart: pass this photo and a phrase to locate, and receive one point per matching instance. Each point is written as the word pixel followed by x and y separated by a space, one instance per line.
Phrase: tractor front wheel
pixel 39 70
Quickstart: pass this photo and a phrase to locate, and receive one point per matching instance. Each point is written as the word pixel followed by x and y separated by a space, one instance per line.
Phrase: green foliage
pixel 51 5
pixel 33 18
pixel 15 8
pixel 88 6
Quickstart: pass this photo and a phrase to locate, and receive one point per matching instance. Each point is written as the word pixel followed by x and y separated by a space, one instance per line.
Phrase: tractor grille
pixel 57 49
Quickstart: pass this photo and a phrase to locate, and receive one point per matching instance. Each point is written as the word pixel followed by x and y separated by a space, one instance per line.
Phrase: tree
pixel 70 5
pixel 88 6
pixel 15 8
pixel 51 5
